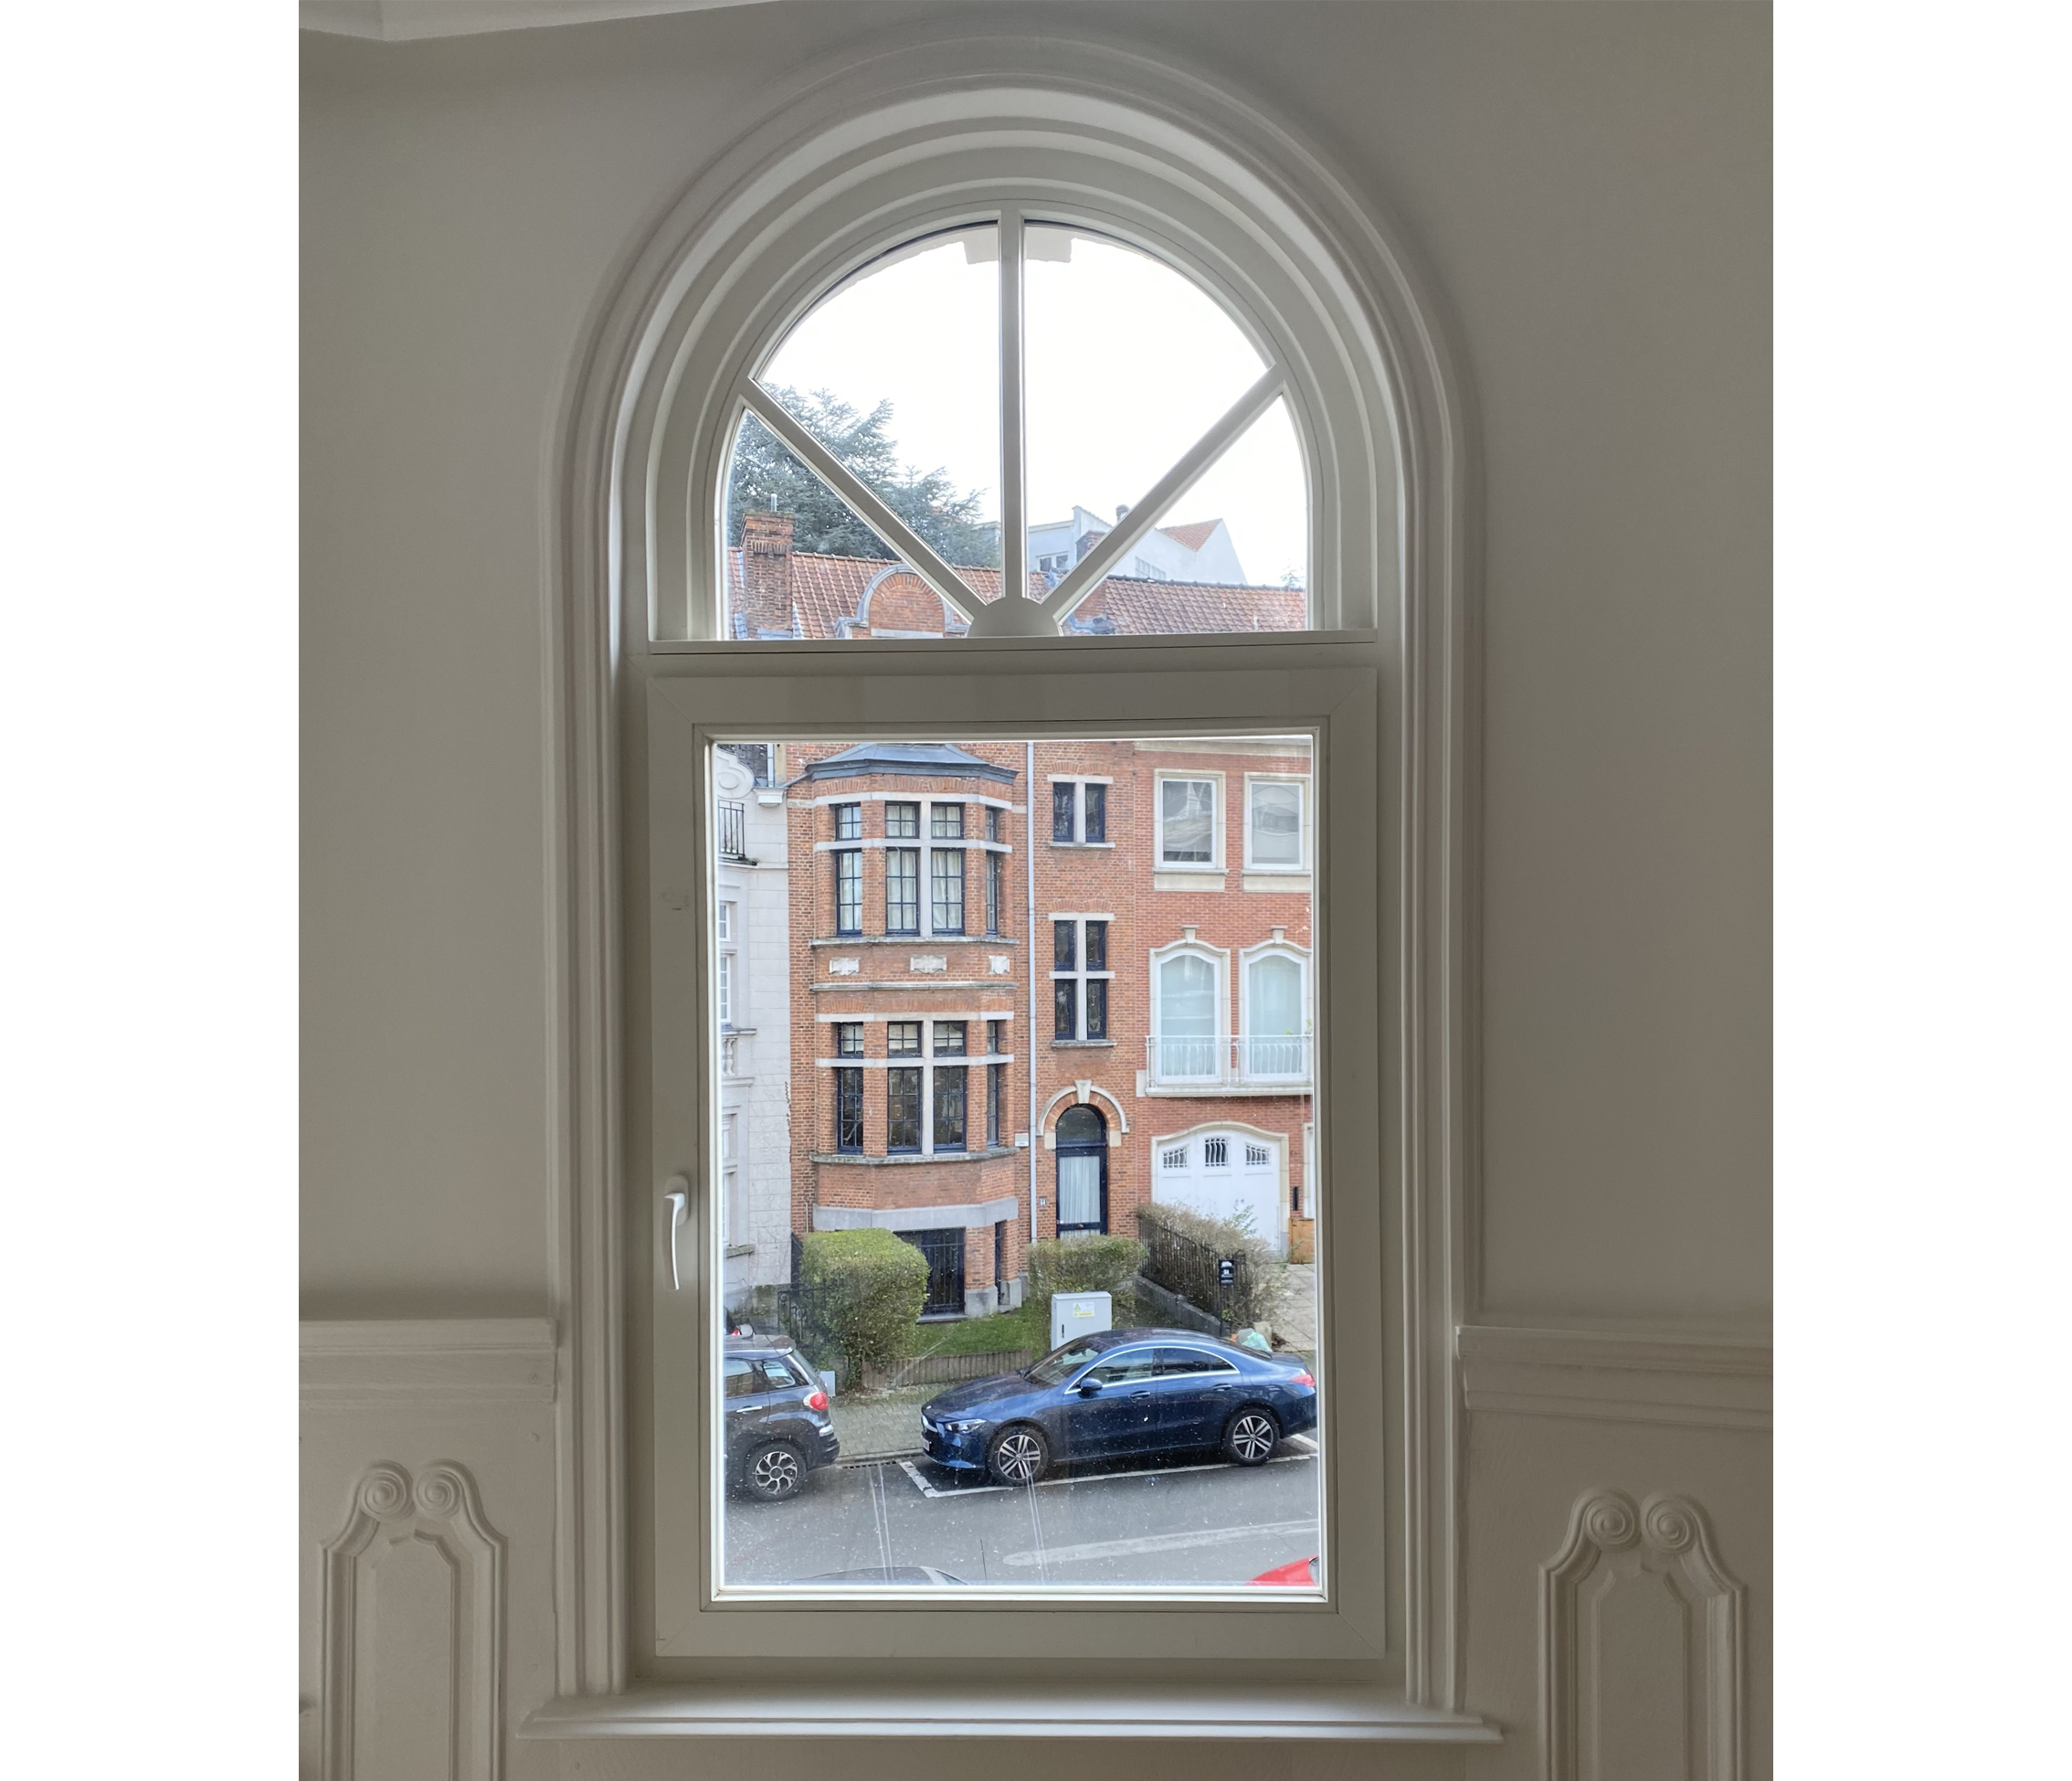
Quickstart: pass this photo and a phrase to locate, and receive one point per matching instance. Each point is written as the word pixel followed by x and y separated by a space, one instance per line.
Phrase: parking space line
pixel 928 1490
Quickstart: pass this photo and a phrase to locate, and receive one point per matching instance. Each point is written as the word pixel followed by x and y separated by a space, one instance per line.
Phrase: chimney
pixel 765 572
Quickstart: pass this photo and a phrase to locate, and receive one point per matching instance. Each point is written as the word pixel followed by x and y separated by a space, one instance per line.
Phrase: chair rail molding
pixel 1615 1375
pixel 413 1630
pixel 1636 1605
pixel 646 394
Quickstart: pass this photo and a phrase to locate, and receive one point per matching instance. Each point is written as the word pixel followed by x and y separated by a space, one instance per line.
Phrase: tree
pixel 765 475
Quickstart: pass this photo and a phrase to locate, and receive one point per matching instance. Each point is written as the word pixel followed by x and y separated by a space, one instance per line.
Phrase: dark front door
pixel 1082 1172
pixel 944 1254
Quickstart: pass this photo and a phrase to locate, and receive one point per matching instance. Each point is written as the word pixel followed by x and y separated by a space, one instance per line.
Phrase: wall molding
pixel 1615 1553
pixel 416 1360
pixel 392 1513
pixel 1614 1375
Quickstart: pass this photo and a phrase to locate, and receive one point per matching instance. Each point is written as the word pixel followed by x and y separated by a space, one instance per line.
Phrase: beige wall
pixel 1590 187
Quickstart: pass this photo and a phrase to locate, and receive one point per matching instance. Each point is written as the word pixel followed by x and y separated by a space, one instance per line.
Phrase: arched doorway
pixel 1082 1172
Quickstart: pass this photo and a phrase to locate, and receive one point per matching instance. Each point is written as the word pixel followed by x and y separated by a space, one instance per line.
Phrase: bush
pixel 867 1288
pixel 1083 1264
pixel 1184 1248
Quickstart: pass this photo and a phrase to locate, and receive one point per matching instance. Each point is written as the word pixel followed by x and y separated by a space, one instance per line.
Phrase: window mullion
pixel 1014 527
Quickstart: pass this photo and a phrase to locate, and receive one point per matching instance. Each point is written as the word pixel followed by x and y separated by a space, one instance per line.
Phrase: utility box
pixel 1079 1314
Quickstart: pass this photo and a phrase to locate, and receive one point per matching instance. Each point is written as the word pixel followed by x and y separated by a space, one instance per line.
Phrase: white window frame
pixel 1079 782
pixel 1249 956
pixel 1300 869
pixel 1219 811
pixel 1202 175
pixel 1218 961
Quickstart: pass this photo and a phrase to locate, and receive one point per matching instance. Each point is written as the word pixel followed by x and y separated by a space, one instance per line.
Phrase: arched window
pixel 698 463
pixel 987 423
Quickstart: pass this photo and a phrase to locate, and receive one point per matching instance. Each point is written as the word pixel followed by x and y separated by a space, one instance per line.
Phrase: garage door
pixel 1221 1173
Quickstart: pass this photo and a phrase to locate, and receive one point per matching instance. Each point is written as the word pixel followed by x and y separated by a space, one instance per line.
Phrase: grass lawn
pixel 1023 1329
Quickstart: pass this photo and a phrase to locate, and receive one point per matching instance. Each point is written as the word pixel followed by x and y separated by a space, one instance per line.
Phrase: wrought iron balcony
pixel 1247 1062
pixel 733 831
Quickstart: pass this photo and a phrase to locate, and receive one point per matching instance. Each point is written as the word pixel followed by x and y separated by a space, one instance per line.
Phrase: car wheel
pixel 1252 1436
pixel 773 1472
pixel 1019 1455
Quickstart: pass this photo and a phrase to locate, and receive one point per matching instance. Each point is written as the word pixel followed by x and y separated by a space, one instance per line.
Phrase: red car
pixel 1301 1574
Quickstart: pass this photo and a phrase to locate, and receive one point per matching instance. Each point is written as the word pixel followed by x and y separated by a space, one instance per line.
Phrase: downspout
pixel 1028 960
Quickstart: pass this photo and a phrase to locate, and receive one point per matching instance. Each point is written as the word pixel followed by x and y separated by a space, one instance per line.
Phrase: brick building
pixel 1069 975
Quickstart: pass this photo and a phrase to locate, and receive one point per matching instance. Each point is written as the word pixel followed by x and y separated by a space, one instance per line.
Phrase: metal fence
pixel 1218 1284
pixel 810 1316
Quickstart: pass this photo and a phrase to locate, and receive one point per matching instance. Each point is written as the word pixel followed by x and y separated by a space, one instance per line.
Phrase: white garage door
pixel 1221 1173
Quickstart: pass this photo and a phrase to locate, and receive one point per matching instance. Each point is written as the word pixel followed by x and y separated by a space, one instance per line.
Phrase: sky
pixel 1126 364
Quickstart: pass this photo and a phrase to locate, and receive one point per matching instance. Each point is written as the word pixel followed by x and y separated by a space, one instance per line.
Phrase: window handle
pixel 676 1190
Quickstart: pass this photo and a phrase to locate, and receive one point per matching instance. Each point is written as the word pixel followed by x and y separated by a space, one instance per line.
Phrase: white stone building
pixel 753 916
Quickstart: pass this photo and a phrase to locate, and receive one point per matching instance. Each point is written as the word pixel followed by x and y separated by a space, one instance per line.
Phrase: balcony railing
pixel 1246 1062
pixel 733 831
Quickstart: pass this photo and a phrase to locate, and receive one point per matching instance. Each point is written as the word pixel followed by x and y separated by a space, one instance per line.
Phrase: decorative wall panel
pixel 412 1627
pixel 1642 1674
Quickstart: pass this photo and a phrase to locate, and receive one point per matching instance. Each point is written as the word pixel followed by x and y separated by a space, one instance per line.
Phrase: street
pixel 1143 1522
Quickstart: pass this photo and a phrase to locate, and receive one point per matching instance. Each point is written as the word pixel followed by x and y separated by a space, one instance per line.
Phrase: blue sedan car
pixel 1119 1393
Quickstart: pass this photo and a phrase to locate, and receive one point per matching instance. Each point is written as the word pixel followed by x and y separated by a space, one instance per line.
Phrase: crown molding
pixel 406 21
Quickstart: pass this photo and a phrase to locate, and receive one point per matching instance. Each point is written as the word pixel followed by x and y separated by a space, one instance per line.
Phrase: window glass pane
pixel 897 373
pixel 1251 512
pixel 1276 824
pixel 1096 812
pixel 947 890
pixel 994 906
pixel 946 821
pixel 1062 797
pixel 903 1109
pixel 848 821
pixel 1128 362
pixel 1173 1109
pixel 949 1107
pixel 903 890
pixel 848 893
pixel 1189 807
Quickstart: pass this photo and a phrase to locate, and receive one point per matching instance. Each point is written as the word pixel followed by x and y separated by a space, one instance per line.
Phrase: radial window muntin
pixel 1012 616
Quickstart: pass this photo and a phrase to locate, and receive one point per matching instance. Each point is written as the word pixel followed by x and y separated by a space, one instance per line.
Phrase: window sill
pixel 1219 1712
pixel 1083 1044
pixel 899 1158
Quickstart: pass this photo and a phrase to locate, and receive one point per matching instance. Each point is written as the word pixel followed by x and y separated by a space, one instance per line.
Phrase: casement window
pixel 849 1087
pixel 1275 825
pixel 903 890
pixel 849 892
pixel 848 821
pixel 1190 822
pixel 946 889
pixel 1189 1019
pixel 996 900
pixel 1274 1024
pixel 1079 813
pixel 946 821
pixel 729 628
pixel 1078 977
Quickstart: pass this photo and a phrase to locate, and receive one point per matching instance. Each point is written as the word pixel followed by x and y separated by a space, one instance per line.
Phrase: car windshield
pixel 1060 1363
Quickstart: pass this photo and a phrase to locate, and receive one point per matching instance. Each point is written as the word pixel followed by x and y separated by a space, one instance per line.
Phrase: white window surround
pixel 1258 1061
pixel 1219 814
pixel 1214 182
pixel 1300 868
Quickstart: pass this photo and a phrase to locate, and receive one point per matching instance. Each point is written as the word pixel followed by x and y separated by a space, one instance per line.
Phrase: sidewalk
pixel 1297 1324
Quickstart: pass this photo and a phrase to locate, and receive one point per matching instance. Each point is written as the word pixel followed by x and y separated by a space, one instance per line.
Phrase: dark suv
pixel 778 1427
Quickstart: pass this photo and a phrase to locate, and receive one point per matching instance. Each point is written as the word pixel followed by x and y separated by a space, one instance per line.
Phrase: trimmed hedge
pixel 870 1287
pixel 1080 1263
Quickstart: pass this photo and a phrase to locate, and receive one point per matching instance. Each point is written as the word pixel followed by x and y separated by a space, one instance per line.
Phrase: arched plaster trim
pixel 870 588
pixel 1078 1093
pixel 606 482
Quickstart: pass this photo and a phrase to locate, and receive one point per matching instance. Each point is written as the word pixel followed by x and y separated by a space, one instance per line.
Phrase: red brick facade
pixel 1217 1096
